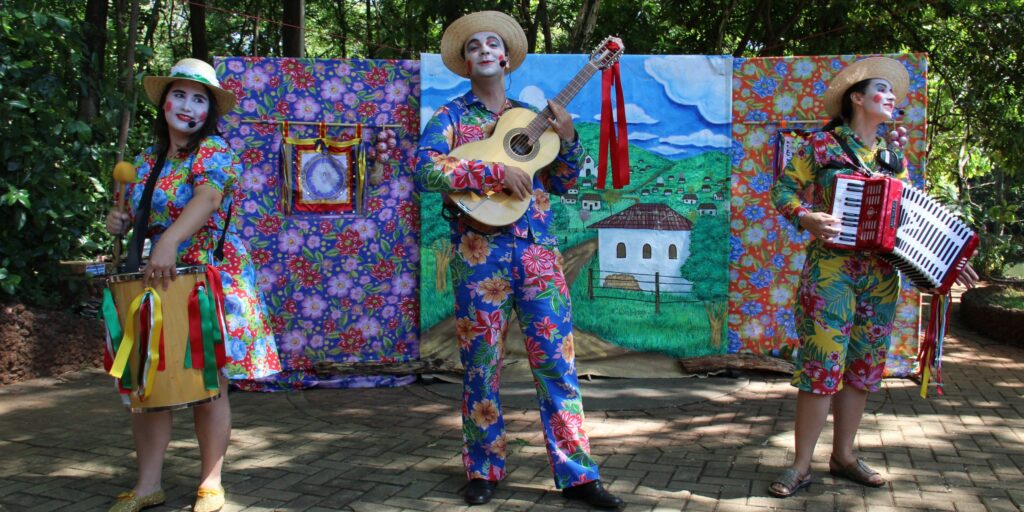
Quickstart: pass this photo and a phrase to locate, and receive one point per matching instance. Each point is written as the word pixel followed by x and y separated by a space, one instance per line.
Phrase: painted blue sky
pixel 677 105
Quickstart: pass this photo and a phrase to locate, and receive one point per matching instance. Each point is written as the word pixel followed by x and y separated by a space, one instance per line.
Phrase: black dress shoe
pixel 479 491
pixel 593 494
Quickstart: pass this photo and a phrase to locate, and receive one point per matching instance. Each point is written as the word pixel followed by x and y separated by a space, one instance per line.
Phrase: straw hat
pixel 865 69
pixel 455 36
pixel 196 71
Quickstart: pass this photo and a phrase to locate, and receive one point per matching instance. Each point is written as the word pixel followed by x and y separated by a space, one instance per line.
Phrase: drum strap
pixel 141 228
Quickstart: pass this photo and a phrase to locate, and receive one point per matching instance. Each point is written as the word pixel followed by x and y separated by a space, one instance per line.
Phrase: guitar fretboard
pixel 540 123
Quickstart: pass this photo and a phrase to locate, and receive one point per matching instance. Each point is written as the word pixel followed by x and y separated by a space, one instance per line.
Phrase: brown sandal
pixel 857 471
pixel 788 483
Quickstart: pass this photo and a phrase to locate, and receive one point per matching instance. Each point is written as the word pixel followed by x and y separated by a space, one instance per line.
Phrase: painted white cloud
pixel 635 114
pixel 702 138
pixel 663 149
pixel 641 135
pixel 533 96
pixel 701 81
pixel 436 76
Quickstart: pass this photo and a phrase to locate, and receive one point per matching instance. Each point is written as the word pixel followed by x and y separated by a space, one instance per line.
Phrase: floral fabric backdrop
pixel 766 252
pixel 338 287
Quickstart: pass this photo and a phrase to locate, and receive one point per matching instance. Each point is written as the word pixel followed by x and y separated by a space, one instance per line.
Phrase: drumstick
pixel 124 173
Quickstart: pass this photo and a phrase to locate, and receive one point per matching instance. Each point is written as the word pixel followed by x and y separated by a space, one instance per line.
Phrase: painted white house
pixel 589 169
pixel 719 196
pixel 642 240
pixel 590 202
pixel 707 179
pixel 571 196
pixel 706 188
pixel 707 209
pixel 690 199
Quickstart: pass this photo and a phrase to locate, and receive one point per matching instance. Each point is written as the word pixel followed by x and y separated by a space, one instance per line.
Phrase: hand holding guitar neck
pixel 124 173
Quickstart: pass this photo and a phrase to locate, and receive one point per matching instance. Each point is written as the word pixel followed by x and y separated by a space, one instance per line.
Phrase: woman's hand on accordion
pixel 821 225
pixel 968 277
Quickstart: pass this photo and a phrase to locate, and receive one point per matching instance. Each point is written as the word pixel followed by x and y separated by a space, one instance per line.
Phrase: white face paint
pixel 484 51
pixel 878 100
pixel 186 107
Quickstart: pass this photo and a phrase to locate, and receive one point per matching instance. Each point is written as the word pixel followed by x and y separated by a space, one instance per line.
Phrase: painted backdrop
pixel 339 287
pixel 646 264
pixel 766 252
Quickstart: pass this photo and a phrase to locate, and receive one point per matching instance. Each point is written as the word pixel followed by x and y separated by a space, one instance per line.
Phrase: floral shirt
pixel 465 119
pixel 814 168
pixel 213 164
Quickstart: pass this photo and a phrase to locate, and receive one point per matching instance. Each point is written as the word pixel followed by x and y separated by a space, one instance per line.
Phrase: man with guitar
pixel 496 269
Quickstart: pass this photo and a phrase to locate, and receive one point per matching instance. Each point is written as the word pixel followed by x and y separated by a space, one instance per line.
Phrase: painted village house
pixel 640 241
pixel 590 202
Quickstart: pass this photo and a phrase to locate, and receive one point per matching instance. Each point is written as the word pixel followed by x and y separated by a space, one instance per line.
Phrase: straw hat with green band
pixel 455 36
pixel 196 71
pixel 885 68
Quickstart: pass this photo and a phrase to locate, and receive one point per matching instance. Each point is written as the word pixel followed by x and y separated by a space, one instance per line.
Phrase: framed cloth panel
pixel 766 251
pixel 323 174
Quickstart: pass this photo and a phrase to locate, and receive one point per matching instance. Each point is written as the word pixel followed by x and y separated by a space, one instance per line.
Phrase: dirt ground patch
pixel 42 343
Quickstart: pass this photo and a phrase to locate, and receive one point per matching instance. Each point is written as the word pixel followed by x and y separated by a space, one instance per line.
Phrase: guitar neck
pixel 541 123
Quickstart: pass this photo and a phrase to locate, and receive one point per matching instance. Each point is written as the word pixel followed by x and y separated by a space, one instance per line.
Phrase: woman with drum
pixel 847 298
pixel 189 214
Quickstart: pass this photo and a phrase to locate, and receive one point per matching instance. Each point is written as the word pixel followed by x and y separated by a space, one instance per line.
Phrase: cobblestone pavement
pixel 65 445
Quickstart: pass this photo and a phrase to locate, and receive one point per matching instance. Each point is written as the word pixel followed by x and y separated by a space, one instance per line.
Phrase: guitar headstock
pixel 607 52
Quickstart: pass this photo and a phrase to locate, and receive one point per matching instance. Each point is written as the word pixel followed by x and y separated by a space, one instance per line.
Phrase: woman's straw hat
pixel 865 69
pixel 196 71
pixel 455 36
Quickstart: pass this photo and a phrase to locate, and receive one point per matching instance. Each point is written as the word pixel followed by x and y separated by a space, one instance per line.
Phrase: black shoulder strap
pixel 854 159
pixel 141 228
pixel 219 251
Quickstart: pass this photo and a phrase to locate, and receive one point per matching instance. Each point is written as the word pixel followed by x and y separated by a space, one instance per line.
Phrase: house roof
pixel 706 206
pixel 591 197
pixel 646 216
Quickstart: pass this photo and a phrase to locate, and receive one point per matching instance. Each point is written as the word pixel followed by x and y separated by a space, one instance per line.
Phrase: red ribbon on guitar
pixel 615 145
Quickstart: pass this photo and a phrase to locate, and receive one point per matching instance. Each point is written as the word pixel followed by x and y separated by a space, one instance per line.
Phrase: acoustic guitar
pixel 526 140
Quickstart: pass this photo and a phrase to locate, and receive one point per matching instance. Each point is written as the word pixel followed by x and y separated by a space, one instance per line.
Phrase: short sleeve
pixel 215 165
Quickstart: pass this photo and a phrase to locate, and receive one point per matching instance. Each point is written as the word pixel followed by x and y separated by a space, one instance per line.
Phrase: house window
pixel 647 251
pixel 672 254
pixel 620 250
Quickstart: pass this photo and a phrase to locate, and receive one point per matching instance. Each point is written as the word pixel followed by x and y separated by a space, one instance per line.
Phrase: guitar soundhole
pixel 518 146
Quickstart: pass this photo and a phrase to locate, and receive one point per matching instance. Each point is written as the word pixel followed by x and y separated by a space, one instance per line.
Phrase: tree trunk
pixel 545 22
pixel 343 24
pixel 128 80
pixel 293 31
pixel 530 28
pixel 584 27
pixel 95 30
pixel 367 48
pixel 151 23
pixel 197 29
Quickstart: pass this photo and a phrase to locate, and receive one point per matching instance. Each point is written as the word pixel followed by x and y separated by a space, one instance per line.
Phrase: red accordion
pixel 917 235
pixel 868 210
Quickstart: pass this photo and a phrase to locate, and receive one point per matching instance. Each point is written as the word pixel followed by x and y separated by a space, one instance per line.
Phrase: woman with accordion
pixel 847 298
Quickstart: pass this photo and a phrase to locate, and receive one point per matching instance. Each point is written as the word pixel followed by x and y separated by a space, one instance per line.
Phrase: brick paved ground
pixel 66 446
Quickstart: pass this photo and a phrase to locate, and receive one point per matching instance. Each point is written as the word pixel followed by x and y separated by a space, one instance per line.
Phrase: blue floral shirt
pixel 465 119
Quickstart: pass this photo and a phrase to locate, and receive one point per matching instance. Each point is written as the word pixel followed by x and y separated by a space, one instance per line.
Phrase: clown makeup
pixel 878 100
pixel 484 52
pixel 186 107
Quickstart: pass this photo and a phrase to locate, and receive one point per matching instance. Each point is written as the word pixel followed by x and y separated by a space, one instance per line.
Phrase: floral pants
pixel 492 275
pixel 844 319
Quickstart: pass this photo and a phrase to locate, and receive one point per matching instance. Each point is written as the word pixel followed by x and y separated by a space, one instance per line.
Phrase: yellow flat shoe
pixel 129 502
pixel 209 500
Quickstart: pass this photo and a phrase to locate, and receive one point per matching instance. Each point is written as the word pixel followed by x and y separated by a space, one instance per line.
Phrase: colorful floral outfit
pixel 250 347
pixel 516 268
pixel 847 299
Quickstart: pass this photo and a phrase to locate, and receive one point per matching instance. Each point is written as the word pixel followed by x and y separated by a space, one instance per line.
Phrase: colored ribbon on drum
pixel 113 334
pixel 929 353
pixel 146 311
pixel 206 329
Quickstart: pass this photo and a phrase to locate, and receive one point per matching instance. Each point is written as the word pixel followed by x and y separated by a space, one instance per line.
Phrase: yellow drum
pixel 175 386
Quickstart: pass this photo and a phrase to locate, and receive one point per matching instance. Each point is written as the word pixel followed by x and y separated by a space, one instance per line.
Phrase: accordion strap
pixel 857 163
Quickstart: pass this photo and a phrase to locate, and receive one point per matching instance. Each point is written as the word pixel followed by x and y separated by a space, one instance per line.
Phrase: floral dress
pixel 250 347
pixel 519 268
pixel 847 299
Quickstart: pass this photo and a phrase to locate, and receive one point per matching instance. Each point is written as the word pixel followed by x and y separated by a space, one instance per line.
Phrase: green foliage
pixel 50 199
pixel 708 263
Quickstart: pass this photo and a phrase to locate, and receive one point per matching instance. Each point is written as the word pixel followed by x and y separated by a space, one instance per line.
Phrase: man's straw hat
pixel 455 36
